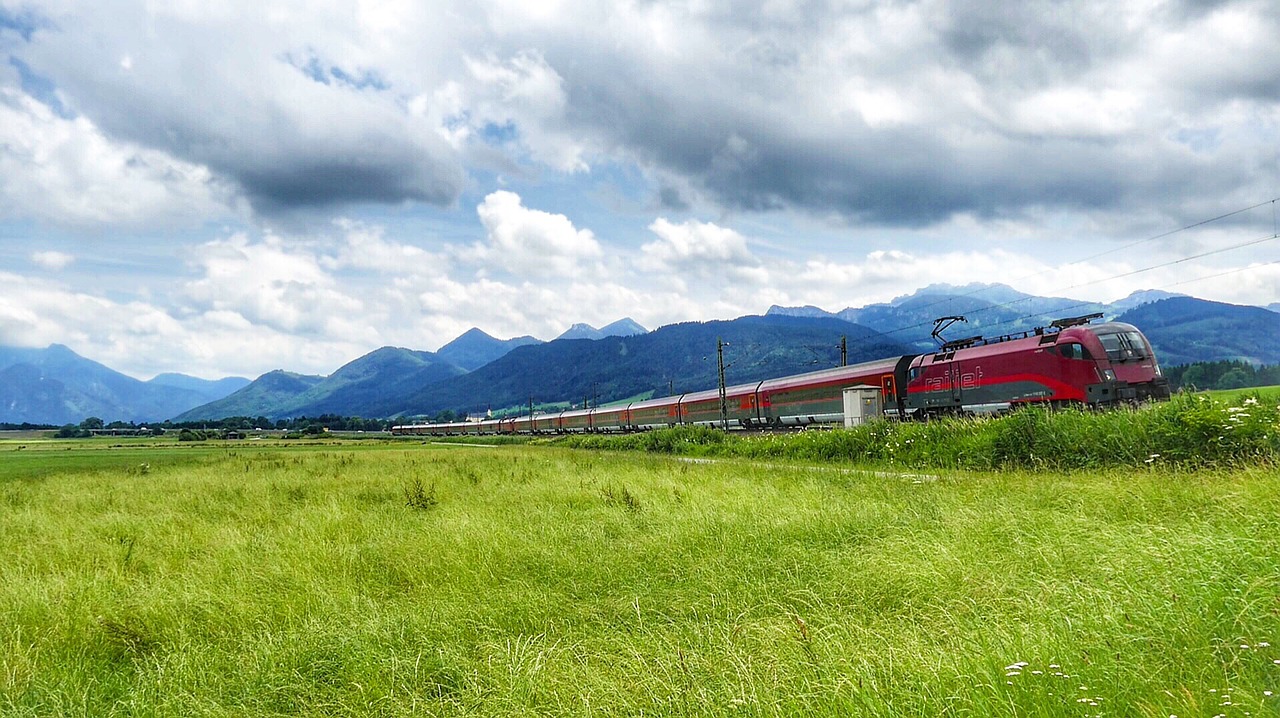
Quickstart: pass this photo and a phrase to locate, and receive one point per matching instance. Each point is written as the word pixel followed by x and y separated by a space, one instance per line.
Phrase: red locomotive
pixel 1070 362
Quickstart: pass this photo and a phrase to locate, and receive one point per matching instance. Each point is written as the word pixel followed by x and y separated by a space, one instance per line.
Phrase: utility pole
pixel 844 350
pixel 533 423
pixel 724 406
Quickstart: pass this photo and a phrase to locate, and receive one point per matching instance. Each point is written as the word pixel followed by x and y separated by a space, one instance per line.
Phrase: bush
pixel 418 497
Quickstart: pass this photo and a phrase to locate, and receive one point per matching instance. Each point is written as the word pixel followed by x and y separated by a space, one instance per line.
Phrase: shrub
pixel 418 497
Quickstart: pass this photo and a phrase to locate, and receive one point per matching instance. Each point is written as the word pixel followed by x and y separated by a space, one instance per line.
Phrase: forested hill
pixel 676 358
pixel 1185 330
pixel 359 388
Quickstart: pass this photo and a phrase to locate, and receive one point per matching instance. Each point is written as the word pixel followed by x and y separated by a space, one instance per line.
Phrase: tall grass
pixel 1191 431
pixel 538 581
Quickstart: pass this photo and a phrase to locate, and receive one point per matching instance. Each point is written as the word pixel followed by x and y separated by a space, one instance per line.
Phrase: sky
pixel 234 187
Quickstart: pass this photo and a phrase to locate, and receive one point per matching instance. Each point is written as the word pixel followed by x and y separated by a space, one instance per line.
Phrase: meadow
pixel 151 578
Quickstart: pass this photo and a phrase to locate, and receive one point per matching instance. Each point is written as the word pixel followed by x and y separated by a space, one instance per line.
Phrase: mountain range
pixel 474 349
pixel 477 372
pixel 55 385
pixel 999 310
pixel 626 327
pixel 363 387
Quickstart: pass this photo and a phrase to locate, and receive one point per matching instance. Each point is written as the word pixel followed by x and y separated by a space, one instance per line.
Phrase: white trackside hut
pixel 862 404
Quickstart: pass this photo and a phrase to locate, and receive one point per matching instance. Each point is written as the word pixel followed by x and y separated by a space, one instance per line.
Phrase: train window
pixel 1124 346
pixel 913 374
pixel 1111 343
pixel 1072 350
pixel 1136 344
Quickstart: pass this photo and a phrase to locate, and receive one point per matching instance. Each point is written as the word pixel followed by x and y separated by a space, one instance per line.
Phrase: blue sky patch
pixel 40 87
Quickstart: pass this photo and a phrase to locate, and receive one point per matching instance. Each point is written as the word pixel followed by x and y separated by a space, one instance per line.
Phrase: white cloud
pixel 271 285
pixel 365 247
pixel 904 114
pixel 701 249
pixel 526 95
pixel 291 103
pixel 66 171
pixel 531 242
pixel 52 260
pixel 143 338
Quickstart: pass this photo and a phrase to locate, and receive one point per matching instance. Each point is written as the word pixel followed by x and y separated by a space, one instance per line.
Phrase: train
pixel 1070 362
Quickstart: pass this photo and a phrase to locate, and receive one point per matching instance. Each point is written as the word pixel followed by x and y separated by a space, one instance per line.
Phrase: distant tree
pixel 1196 375
pixel 92 422
pixel 69 431
pixel 1235 379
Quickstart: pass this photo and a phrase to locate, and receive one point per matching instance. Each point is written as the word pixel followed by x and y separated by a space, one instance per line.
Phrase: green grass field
pixel 395 579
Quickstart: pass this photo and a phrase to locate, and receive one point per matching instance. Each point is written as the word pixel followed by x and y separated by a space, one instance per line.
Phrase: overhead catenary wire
pixel 1078 305
pixel 1275 235
pixel 1104 253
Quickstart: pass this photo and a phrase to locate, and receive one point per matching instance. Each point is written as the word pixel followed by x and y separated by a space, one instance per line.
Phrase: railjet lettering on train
pixel 1070 362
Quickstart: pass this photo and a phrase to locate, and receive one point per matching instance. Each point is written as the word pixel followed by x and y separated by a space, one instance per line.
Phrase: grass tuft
pixel 416 496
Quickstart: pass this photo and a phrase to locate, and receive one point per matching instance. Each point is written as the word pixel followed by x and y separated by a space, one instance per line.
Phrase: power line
pixel 1122 275
pixel 1152 238
pixel 1184 228
pixel 1237 270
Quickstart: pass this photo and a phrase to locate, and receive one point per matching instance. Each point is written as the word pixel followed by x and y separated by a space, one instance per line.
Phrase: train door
pixel 751 406
pixel 954 369
pixel 901 375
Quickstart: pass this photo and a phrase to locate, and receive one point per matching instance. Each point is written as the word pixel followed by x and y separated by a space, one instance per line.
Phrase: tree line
pixel 1222 375
pixel 301 424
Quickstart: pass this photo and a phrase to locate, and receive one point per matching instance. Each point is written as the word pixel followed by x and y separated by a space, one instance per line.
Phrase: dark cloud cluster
pixel 1007 108
pixel 289 129
pixel 902 113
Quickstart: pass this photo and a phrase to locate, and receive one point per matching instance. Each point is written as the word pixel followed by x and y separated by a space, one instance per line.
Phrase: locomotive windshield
pixel 1124 346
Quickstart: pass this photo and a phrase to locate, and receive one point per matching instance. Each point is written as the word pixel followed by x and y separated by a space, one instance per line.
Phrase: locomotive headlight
pixel 1108 375
pixel 1159 371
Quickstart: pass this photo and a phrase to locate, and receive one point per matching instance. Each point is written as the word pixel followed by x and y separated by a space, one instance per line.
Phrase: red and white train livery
pixel 1068 363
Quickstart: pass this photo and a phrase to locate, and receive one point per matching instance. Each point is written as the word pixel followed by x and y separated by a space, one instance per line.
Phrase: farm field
pixel 390 579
